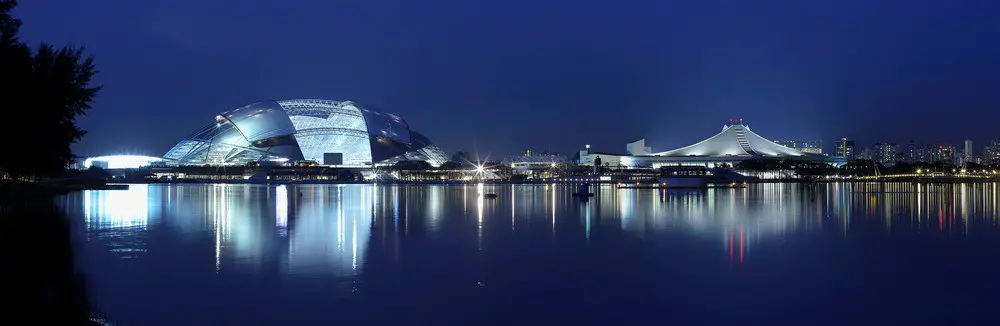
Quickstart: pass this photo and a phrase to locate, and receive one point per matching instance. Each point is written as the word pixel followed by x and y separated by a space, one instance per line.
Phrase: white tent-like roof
pixel 734 140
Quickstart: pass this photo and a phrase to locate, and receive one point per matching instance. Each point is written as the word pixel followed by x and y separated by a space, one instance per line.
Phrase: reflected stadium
pixel 334 133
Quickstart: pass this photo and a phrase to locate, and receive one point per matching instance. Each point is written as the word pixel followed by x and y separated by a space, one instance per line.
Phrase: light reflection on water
pixel 332 223
pixel 328 236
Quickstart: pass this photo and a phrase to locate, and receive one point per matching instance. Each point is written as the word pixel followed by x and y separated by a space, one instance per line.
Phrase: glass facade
pixel 255 132
pixel 324 126
pixel 305 129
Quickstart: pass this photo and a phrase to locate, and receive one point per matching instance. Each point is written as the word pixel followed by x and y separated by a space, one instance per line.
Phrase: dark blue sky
pixel 501 76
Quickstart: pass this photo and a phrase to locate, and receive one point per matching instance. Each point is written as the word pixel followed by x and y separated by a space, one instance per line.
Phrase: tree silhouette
pixel 44 90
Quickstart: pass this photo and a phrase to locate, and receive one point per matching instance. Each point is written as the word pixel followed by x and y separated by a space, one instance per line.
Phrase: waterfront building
pixel 991 153
pixel 943 154
pixel 967 153
pixel 541 164
pixel 330 133
pixel 117 162
pixel 734 144
pixel 866 153
pixel 805 146
pixel 915 153
pixel 845 148
pixel 884 153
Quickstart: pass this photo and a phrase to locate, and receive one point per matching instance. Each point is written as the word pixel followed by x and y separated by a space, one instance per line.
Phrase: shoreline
pixel 938 180
pixel 12 191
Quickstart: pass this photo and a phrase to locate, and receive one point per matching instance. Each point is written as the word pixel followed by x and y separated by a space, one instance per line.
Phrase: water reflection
pixel 119 219
pixel 117 209
pixel 327 228
pixel 330 229
pixel 448 239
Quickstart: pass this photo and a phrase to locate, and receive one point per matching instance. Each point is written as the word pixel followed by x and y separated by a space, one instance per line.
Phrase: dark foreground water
pixel 836 254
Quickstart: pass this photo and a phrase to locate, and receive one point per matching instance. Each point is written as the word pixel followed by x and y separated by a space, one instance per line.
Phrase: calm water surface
pixel 837 254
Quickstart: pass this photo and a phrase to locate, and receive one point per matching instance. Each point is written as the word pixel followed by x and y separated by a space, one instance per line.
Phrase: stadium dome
pixel 328 132
pixel 735 140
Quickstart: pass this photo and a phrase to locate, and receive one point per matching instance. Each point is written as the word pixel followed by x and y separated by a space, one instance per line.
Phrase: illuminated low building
pixel 119 161
pixel 544 165
pixel 331 133
pixel 734 144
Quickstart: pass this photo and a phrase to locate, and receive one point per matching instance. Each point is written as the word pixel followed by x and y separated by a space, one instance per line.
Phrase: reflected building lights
pixel 327 229
pixel 333 241
pixel 115 209
pixel 479 219
pixel 552 202
pixel 434 208
pixel 395 209
pixel 760 213
pixel 281 210
pixel 118 217
pixel 513 204
pixel 588 208
pixel 221 220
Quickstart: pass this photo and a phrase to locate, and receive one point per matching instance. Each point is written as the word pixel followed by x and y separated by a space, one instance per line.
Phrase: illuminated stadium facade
pixel 735 143
pixel 336 133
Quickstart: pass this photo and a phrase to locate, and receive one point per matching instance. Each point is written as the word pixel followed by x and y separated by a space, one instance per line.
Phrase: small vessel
pixel 490 196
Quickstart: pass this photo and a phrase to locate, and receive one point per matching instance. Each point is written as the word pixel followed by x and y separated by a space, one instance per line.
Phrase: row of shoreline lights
pixel 963 171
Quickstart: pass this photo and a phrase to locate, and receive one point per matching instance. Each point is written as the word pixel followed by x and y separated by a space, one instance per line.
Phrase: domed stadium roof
pixel 305 129
pixel 735 140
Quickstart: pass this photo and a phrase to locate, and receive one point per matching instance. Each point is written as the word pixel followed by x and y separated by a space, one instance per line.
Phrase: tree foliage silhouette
pixel 43 91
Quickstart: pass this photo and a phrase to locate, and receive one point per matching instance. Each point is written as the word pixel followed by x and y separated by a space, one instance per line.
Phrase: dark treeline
pixel 42 91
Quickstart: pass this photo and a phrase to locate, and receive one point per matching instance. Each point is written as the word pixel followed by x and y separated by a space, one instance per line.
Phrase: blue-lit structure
pixel 340 133
pixel 734 144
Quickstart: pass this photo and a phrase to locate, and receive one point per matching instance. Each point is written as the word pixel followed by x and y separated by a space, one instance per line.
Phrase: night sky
pixel 501 76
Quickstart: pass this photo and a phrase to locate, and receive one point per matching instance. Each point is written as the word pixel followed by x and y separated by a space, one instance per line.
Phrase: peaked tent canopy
pixel 735 140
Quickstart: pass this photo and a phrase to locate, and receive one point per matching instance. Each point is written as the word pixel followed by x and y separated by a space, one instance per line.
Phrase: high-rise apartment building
pixel 991 153
pixel 884 153
pixel 845 148
pixel 967 153
pixel 805 146
pixel 915 153
pixel 943 153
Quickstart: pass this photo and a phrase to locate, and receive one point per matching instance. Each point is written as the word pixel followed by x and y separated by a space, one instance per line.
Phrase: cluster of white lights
pixel 122 161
